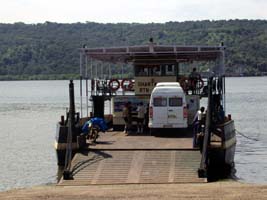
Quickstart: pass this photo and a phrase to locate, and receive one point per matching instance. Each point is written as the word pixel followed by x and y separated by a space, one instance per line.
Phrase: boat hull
pixel 221 159
pixel 61 143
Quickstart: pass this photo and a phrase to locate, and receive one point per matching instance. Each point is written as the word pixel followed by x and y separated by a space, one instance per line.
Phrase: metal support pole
pixel 86 86
pixel 91 77
pixel 110 109
pixel 222 62
pixel 224 95
pixel 223 77
pixel 121 71
pixel 177 73
pixel 109 71
pixel 102 73
pixel 91 68
pixel 96 71
pixel 81 85
pixel 123 91
pixel 96 79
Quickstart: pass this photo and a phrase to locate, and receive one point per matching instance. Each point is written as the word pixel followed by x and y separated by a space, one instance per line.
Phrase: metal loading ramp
pixel 134 166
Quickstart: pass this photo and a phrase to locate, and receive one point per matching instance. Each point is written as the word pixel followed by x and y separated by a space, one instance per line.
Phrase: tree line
pixel 50 50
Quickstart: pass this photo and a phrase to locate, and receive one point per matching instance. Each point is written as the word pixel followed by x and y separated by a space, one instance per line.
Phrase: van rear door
pixel 175 110
pixel 160 110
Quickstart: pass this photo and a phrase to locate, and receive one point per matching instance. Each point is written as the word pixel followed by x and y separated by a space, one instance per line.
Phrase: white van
pixel 167 106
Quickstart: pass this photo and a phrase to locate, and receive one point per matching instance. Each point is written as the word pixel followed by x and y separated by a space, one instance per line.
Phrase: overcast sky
pixel 142 11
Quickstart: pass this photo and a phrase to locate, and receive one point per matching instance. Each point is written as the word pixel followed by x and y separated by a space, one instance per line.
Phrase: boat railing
pixel 114 87
pixel 111 87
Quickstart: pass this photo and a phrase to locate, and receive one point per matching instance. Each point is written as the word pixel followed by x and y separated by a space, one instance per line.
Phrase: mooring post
pixel 67 172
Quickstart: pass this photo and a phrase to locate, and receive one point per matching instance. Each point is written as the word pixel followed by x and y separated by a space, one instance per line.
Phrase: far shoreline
pixel 58 77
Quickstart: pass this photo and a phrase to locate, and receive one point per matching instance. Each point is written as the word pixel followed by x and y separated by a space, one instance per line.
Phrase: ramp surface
pixel 135 166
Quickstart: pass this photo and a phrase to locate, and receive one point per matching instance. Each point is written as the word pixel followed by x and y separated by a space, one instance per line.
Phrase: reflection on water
pixel 29 111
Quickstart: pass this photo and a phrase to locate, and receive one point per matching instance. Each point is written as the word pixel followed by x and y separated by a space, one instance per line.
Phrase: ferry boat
pixel 151 64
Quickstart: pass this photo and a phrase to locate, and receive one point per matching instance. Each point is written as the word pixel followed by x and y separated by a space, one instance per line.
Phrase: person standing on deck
pixel 198 121
pixel 221 114
pixel 140 117
pixel 146 117
pixel 125 114
pixel 193 79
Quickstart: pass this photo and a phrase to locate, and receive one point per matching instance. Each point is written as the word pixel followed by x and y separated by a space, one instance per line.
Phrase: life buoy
pixel 195 84
pixel 200 84
pixel 189 84
pixel 114 84
pixel 127 87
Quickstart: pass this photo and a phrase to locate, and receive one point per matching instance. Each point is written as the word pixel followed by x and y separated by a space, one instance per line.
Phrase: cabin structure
pixel 151 64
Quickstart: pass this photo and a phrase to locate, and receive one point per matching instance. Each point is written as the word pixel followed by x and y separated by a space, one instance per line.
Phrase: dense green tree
pixel 51 49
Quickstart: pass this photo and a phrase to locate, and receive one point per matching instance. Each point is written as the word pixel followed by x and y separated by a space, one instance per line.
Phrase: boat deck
pixel 118 158
pixel 120 140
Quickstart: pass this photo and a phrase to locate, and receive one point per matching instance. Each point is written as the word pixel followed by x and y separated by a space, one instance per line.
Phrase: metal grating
pixel 135 166
pixel 156 167
pixel 116 168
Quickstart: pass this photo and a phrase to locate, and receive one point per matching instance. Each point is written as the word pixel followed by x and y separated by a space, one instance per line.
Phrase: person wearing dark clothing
pixel 140 117
pixel 199 121
pixel 221 114
pixel 193 79
pixel 125 115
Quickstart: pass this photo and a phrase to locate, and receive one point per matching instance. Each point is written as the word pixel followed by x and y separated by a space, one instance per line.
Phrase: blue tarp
pixel 100 122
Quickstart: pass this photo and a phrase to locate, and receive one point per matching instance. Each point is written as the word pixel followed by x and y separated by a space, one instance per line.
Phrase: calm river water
pixel 29 111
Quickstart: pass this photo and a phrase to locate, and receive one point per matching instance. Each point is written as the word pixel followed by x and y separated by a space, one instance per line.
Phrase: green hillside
pixel 50 50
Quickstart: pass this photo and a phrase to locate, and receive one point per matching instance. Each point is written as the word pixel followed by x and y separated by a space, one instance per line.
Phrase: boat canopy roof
pixel 154 54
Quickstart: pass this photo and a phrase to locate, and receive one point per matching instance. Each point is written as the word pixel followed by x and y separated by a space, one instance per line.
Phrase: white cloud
pixel 68 11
